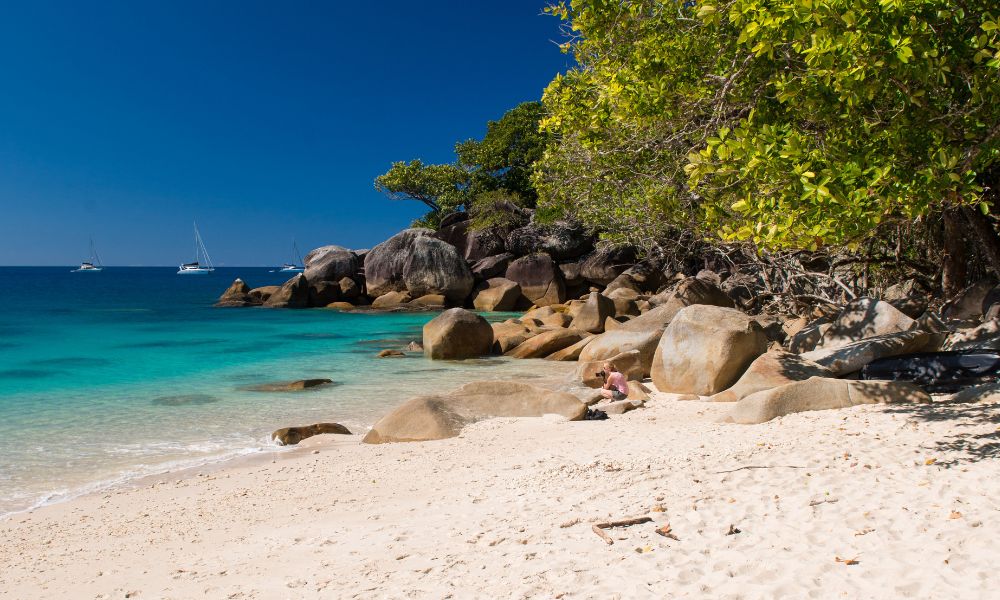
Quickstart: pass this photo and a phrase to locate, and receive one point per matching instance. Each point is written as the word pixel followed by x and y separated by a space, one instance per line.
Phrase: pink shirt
pixel 618 381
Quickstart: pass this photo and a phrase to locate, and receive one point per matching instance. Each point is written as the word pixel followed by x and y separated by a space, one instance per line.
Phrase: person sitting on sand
pixel 615 384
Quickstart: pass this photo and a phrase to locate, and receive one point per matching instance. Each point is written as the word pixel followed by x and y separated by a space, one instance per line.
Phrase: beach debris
pixel 570 523
pixel 759 467
pixel 644 549
pixel 848 561
pixel 658 508
pixel 824 501
pixel 930 461
pixel 600 527
pixel 955 515
pixel 733 530
pixel 289 436
pixel 666 531
pixel 864 531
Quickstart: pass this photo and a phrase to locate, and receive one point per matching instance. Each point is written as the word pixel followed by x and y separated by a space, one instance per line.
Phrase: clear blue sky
pixel 263 121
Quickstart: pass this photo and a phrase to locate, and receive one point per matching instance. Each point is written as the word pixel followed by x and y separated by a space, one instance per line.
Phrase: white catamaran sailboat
pixel 94 264
pixel 202 264
pixel 293 267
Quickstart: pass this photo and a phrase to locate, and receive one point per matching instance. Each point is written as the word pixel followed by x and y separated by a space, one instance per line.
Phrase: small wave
pixel 72 361
pixel 28 373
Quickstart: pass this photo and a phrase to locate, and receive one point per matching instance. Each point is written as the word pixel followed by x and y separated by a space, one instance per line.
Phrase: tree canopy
pixel 791 123
pixel 502 161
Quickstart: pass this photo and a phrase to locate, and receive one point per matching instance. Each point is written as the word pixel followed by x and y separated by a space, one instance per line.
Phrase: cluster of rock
pixel 691 340
pixel 455 266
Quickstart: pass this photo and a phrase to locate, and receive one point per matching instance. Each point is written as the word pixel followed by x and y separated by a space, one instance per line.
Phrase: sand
pixel 908 495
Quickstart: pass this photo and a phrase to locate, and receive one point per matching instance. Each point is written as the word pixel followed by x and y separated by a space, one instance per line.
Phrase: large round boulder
pixel 497 294
pixel 385 262
pixel 540 279
pixel 595 310
pixel 457 333
pixel 491 266
pixel 331 263
pixel 443 416
pixel 435 267
pixel 705 349
pixel 612 343
pixel 293 294
pixel 864 318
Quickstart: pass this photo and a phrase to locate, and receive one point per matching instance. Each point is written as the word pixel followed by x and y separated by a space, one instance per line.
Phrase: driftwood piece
pixel 600 527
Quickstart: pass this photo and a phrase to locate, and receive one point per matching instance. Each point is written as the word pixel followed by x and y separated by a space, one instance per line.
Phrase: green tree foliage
pixel 500 162
pixel 791 123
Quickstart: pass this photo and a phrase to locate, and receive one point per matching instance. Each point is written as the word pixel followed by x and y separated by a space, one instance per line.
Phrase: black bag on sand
pixel 595 415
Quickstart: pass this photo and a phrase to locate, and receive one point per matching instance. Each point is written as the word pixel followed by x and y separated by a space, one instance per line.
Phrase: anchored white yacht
pixel 293 267
pixel 202 264
pixel 94 264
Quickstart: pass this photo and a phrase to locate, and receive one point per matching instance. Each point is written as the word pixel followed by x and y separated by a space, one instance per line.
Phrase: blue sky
pixel 263 121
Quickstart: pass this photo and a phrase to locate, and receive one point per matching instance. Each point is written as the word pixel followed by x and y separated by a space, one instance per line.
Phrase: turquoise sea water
pixel 113 375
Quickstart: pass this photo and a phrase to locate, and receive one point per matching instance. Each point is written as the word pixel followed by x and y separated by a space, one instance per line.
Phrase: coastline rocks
pixel 510 334
pixel 591 316
pixel 470 244
pixel 288 386
pixel 491 266
pixel 983 337
pixel 341 306
pixel 430 301
pixel 238 294
pixel 850 358
pixel 819 393
pixel 289 436
pixel 989 392
pixel 391 300
pixel 705 349
pixel 611 344
pixel 540 279
pixel 619 407
pixel 571 352
pixel 864 318
pixel 293 294
pixel 808 336
pixel 349 289
pixel 261 294
pixel 455 334
pixel 443 416
pixel 324 293
pixel 388 353
pixel 692 291
pixel 561 240
pixel 546 343
pixel 435 267
pixel 968 304
pixel 330 263
pixel 385 262
pixel 770 370
pixel 605 264
pixel 496 294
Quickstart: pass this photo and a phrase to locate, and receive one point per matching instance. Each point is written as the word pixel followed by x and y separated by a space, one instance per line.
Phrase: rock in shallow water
pixel 185 400
pixel 288 386
pixel 289 436
pixel 457 333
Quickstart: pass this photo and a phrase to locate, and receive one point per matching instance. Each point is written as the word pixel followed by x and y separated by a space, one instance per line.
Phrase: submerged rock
pixel 443 416
pixel 289 436
pixel 288 386
pixel 185 400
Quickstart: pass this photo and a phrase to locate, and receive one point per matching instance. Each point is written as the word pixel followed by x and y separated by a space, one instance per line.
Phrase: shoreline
pixel 494 509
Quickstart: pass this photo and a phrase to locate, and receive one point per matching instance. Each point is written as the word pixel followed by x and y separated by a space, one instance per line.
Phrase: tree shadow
pixel 960 448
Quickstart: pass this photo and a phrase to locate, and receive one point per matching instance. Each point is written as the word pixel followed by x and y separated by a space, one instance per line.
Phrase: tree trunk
pixel 955 257
pixel 985 235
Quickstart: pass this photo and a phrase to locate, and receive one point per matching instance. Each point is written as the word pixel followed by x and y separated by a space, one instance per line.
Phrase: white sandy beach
pixel 505 511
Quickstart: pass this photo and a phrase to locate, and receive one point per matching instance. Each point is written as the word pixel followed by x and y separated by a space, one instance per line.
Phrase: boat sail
pixel 294 266
pixel 94 264
pixel 202 264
